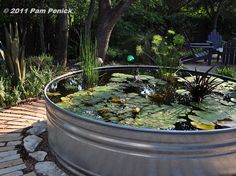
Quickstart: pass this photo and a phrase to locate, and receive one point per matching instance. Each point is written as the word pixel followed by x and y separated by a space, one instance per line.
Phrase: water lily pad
pixel 146 77
pixel 233 100
pixel 122 75
pixel 121 101
pixel 214 111
pixel 159 82
pixel 53 93
pixel 188 78
pixel 209 126
pixel 158 117
pixel 114 79
pixel 182 92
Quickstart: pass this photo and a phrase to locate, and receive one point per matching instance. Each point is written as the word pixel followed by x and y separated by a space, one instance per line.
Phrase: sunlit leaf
pixel 203 126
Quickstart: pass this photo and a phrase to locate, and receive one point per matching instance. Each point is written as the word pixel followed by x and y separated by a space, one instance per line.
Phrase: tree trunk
pixel 41 31
pixel 217 14
pixel 107 19
pixel 214 13
pixel 103 37
pixel 89 18
pixel 62 34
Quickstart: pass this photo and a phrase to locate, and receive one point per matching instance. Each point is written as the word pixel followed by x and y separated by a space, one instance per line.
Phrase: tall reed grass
pixel 88 55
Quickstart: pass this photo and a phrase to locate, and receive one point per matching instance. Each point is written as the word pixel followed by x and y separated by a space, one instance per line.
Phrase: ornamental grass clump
pixel 201 85
pixel 88 55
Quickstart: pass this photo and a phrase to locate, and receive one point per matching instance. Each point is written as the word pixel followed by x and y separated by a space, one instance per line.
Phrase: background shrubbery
pixel 40 70
pixel 150 31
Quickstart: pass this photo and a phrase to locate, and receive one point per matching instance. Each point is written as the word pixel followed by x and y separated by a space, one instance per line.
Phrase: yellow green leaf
pixel 209 126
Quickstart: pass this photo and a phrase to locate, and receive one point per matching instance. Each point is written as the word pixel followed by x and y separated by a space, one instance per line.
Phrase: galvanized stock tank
pixel 89 147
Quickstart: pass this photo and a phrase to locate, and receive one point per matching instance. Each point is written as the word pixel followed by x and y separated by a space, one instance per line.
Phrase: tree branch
pixel 211 4
pixel 208 11
pixel 177 5
pixel 89 18
pixel 118 10
pixel 105 5
pixel 220 6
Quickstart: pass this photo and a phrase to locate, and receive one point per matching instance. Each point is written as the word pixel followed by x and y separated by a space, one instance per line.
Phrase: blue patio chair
pixel 199 51
pixel 216 39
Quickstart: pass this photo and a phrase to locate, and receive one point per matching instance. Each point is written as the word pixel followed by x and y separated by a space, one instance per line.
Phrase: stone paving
pixel 203 66
pixel 13 121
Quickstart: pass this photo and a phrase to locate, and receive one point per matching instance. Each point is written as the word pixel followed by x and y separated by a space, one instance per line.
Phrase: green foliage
pixel 36 80
pixel 164 95
pixel 15 55
pixel 114 53
pixel 88 55
pixel 13 97
pixel 158 117
pixel 166 49
pixel 112 103
pixel 206 116
pixel 79 10
pixel 179 40
pixel 227 71
pixel 41 62
pixel 105 102
pixel 8 95
pixel 37 76
pixel 2 92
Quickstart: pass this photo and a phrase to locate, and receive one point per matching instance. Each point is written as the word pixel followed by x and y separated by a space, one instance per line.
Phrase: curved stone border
pixel 13 122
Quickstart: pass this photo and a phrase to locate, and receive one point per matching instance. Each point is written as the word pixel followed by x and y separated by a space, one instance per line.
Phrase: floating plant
pixel 156 103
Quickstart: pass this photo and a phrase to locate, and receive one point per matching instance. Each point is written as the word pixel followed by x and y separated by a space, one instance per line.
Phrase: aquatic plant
pixel 164 95
pixel 213 111
pixel 151 102
pixel 88 55
pixel 201 85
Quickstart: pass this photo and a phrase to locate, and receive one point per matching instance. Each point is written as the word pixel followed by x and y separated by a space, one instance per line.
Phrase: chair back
pixel 229 52
pixel 216 39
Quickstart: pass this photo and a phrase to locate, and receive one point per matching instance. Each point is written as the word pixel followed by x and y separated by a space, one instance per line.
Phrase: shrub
pixel 165 49
pixel 114 53
pixel 2 92
pixel 41 62
pixel 35 82
pixel 13 97
pixel 9 95
pixel 37 76
pixel 230 72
